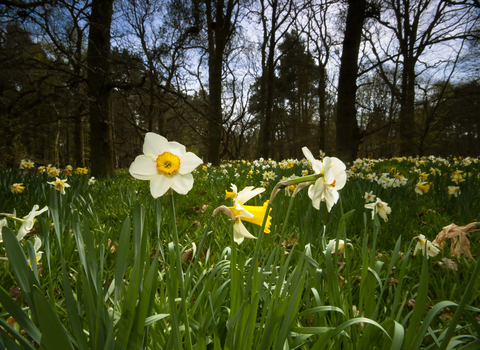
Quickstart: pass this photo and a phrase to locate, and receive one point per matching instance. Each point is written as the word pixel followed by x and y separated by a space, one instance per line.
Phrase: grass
pixel 121 270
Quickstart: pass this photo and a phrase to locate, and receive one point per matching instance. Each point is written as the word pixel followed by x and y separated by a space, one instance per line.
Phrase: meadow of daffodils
pixel 304 253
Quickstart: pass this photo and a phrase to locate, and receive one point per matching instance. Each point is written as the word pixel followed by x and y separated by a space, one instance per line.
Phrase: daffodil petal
pixel 177 148
pixel 240 232
pixel 182 183
pixel 317 165
pixel 143 168
pixel 160 184
pixel 188 162
pixel 242 212
pixel 248 193
pixel 154 145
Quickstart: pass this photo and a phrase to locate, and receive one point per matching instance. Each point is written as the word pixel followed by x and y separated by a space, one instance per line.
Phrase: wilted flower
pixel 423 244
pixel 249 213
pixel 29 220
pixel 333 179
pixel 59 185
pixel 421 188
pixel 459 238
pixel 379 207
pixel 454 190
pixel 17 188
pixel 166 165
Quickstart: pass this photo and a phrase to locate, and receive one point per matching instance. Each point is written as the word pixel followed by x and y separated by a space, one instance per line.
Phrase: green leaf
pixel 54 335
pixel 19 315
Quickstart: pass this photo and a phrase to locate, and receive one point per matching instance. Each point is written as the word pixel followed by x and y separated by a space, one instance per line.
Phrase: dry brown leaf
pixel 444 262
pixel 187 255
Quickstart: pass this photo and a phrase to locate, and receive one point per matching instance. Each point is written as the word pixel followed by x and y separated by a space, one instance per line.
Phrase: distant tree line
pixel 82 81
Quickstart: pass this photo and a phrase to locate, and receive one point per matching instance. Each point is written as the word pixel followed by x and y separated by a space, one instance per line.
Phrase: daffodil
pixel 379 207
pixel 59 185
pixel 369 197
pixel 166 165
pixel 454 190
pixel 29 220
pixel 91 180
pixel 36 246
pixel 3 223
pixel 249 213
pixel 424 244
pixel 326 187
pixel 17 188
pixel 422 187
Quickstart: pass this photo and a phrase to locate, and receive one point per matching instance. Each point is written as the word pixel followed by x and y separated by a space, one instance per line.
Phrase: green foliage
pixel 121 270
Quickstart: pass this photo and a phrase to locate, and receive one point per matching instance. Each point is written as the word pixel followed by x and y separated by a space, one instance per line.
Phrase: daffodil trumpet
pixel 240 212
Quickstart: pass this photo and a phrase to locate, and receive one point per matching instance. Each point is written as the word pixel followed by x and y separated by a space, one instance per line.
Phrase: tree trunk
pixel 348 132
pixel 322 125
pixel 98 61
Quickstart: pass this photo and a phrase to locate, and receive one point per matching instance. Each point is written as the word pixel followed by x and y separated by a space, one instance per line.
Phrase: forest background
pixel 82 81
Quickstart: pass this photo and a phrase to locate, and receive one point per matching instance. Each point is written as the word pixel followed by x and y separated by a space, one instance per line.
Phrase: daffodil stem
pixel 287 216
pixel 183 305
pixel 197 256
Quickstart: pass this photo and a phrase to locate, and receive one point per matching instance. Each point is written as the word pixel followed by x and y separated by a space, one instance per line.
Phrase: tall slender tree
pixel 99 89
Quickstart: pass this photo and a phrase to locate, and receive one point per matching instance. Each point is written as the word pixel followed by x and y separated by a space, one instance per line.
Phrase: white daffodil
pixel 379 207
pixel 334 178
pixel 91 180
pixel 36 246
pixel 29 220
pixel 369 197
pixel 59 185
pixel 454 190
pixel 249 213
pixel 423 243
pixel 166 165
pixel 3 223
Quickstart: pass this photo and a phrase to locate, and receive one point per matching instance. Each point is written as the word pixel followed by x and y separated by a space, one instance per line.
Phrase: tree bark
pixel 98 61
pixel 348 132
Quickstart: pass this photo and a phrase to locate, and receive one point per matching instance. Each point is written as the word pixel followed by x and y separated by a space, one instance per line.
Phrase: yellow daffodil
pixel 424 244
pixel 17 188
pixel 59 185
pixel 249 213
pixel 421 188
pixel 166 165
pixel 379 207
